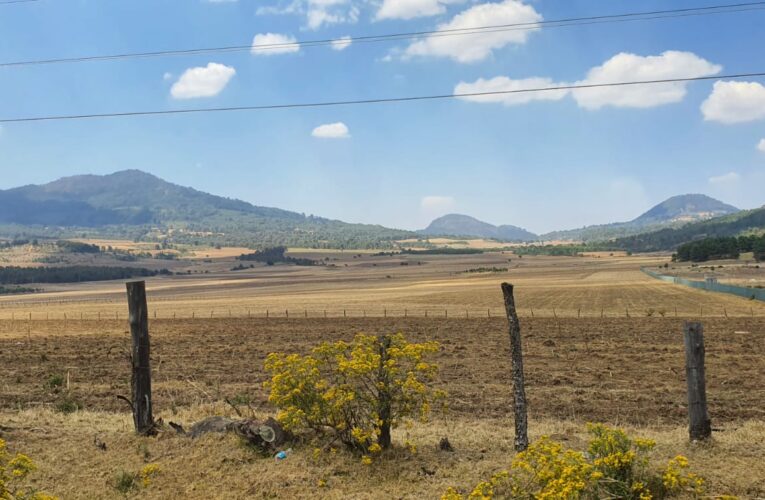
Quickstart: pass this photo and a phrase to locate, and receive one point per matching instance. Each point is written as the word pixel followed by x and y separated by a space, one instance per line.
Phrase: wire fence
pixel 393 312
pixel 710 285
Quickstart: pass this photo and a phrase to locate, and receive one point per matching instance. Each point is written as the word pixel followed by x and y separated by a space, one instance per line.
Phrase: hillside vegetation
pixel 138 205
pixel 672 212
pixel 671 238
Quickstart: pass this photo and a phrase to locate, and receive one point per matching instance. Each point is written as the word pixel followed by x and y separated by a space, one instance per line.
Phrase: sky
pixel 542 161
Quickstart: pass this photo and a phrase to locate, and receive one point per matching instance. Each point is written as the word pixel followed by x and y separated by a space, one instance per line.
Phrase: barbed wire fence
pixel 434 313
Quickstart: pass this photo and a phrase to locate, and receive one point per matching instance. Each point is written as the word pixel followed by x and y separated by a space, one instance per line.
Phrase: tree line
pixel 725 247
pixel 21 275
pixel 276 255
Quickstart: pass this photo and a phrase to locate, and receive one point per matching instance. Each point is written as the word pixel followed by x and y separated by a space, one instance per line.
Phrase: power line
pixel 475 30
pixel 6 2
pixel 369 101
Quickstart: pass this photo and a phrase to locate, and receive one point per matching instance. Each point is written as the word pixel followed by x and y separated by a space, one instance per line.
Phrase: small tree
pixel 359 390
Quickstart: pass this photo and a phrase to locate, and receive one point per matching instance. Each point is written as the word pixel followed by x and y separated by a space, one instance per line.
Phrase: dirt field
pixel 602 342
pixel 626 372
pixel 395 285
pixel 613 370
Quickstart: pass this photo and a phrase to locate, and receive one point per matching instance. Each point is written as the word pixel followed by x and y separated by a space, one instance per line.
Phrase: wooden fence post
pixel 516 353
pixel 384 409
pixel 700 427
pixel 141 375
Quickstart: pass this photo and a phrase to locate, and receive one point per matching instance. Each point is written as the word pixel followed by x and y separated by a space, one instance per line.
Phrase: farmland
pixel 602 342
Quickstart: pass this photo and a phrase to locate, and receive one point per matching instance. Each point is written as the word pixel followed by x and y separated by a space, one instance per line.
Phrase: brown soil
pixel 616 370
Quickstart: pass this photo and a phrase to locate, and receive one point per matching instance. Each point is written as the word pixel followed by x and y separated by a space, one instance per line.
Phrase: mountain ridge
pixel 461 225
pixel 672 212
pixel 136 203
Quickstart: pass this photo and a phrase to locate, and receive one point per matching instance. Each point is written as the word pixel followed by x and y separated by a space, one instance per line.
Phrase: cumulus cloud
pixel 337 130
pixel 477 47
pixel 622 67
pixel 341 43
pixel 761 145
pixel 735 102
pixel 167 76
pixel 725 179
pixel 626 67
pixel 202 81
pixel 504 84
pixel 271 44
pixel 437 203
pixel 409 9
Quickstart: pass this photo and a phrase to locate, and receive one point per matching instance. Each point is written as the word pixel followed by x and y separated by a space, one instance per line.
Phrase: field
pixel 602 342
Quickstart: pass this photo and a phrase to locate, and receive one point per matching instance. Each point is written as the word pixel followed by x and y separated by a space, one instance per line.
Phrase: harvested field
pixel 611 370
pixel 413 285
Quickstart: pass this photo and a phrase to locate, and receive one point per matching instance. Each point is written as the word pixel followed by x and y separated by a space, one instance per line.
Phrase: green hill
pixel 746 221
pixel 140 205
pixel 457 225
pixel 672 212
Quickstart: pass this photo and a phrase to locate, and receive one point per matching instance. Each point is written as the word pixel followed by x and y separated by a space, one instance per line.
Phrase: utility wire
pixel 370 101
pixel 575 21
pixel 6 2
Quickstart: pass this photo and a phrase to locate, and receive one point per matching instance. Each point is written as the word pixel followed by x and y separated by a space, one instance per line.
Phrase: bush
pixel 126 481
pixel 359 390
pixel 614 466
pixel 13 470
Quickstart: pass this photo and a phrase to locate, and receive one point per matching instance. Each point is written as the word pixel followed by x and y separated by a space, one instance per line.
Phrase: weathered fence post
pixel 384 409
pixel 141 376
pixel 516 353
pixel 700 427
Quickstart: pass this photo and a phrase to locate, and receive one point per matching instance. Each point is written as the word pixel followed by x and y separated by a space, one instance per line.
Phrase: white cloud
pixel 202 81
pixel 337 130
pixel 625 67
pixel 725 179
pixel 167 76
pixel 317 13
pixel 761 145
pixel 735 102
pixel 504 84
pixel 437 203
pixel 622 67
pixel 477 47
pixel 409 9
pixel 271 44
pixel 342 43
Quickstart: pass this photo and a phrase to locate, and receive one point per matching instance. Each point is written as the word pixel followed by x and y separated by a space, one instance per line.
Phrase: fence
pixel 741 291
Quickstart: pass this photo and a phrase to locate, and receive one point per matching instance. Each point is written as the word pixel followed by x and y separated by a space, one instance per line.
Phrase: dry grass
pixel 214 466
pixel 375 285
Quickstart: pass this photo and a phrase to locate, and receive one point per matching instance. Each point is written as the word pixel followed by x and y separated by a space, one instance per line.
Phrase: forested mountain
pixel 136 204
pixel 672 212
pixel 463 225
pixel 746 221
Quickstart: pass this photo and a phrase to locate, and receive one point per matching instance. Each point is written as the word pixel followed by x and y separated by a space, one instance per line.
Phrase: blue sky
pixel 559 162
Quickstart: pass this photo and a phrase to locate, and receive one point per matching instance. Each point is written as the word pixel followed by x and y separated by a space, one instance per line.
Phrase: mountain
pixel 745 221
pixel 685 208
pixel 464 225
pixel 672 212
pixel 139 204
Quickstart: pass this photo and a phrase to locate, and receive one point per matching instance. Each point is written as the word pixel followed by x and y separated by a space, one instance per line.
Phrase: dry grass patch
pixel 217 466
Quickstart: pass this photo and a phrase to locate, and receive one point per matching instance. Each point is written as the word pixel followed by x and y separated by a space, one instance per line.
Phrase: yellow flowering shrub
pixel 614 466
pixel 360 390
pixel 676 478
pixel 147 473
pixel 13 470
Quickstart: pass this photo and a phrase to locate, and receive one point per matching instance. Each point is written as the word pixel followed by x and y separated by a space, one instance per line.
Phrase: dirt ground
pixel 615 370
